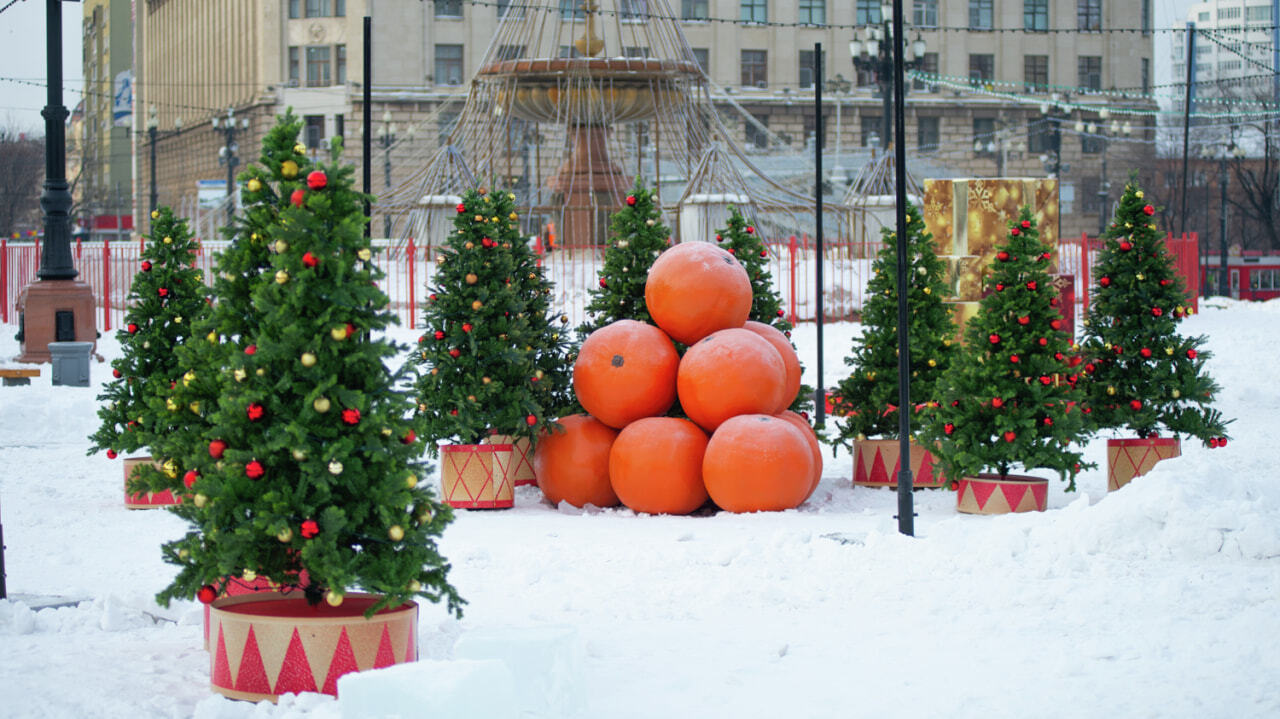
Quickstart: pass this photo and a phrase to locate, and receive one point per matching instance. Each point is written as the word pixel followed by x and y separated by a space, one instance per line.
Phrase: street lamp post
pixel 1104 133
pixel 1223 152
pixel 1001 144
pixel 838 86
pixel 874 53
pixel 227 153
pixel 387 136
pixel 1052 160
pixel 153 125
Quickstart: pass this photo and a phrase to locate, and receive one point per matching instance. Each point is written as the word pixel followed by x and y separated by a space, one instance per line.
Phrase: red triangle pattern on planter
pixel 221 667
pixel 411 647
pixel 295 672
pixel 926 470
pixel 252 677
pixel 860 468
pixel 1013 494
pixel 877 468
pixel 1041 493
pixel 344 662
pixel 981 492
pixel 386 657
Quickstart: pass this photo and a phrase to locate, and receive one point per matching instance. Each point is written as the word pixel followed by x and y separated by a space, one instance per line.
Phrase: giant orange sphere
pixel 728 373
pixel 789 358
pixel 757 463
pixel 572 464
pixel 815 449
pixel 656 465
pixel 626 370
pixel 696 288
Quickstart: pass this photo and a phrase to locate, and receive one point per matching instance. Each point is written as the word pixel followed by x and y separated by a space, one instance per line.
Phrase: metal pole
pixel 368 119
pixel 55 200
pixel 906 510
pixel 1102 192
pixel 886 92
pixel 3 590
pixel 231 165
pixel 820 395
pixel 1188 101
pixel 1224 287
pixel 386 169
pixel 155 195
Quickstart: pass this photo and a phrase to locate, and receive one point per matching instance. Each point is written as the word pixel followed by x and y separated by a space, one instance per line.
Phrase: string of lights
pixel 8 5
pixel 1234 51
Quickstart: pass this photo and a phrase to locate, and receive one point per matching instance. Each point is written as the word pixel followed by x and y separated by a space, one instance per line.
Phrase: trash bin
pixel 70 363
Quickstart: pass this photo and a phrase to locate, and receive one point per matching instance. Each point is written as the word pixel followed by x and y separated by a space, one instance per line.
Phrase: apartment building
pixel 102 144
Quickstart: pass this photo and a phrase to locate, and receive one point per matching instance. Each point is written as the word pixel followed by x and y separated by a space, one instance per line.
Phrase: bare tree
pixel 1258 180
pixel 21 176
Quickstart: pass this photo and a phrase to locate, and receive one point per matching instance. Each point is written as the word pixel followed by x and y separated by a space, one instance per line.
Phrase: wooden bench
pixel 18 376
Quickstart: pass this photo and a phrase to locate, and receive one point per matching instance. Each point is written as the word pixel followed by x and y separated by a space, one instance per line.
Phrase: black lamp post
pixel 873 52
pixel 227 153
pixel 152 126
pixel 1223 152
pixel 387 137
pixel 1052 160
pixel 1104 133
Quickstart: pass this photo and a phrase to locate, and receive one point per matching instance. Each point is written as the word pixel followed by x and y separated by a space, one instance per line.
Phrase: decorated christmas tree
pixel 167 298
pixel 743 242
pixel 493 356
pixel 868 398
pixel 1009 397
pixel 317 467
pixel 637 237
pixel 267 185
pixel 1142 374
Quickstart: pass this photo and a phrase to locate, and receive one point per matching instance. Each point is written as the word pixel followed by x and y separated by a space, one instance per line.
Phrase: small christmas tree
pixel 167 298
pixel 1141 373
pixel 316 464
pixel 743 242
pixel 1007 399
pixel 493 355
pixel 637 237
pixel 868 397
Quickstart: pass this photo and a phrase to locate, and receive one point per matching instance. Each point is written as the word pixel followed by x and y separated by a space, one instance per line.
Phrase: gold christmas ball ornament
pixel 183 554
pixel 364 254
pixel 194 407
pixel 177 320
pixel 170 468
pixel 281 246
pixel 623 244
pixel 477 305
pixel 321 404
pixel 1176 394
pixel 200 500
pixel 260 372
pixel 281 277
pixel 511 196
pixel 469 246
pixel 171 405
pixel 471 278
pixel 435 371
pixel 1111 390
pixel 1168 350
pixel 146 344
pixel 513 217
pixel 155 214
pixel 396 532
pixel 300 149
pixel 289 168
pixel 439 259
pixel 338 333
pixel 255 185
pixel 928 290
pixel 335 467
pixel 485 380
pixel 1138 194
pixel 299 455
pixel 308 359
pixel 415 586
pixel 411 481
pixel 479 218
pixel 538 374
pixel 249 575
pixel 471 398
pixel 285 535
pixel 386 431
pixel 240 374
pixel 861 437
pixel 649 222
pixel 333 598
pixel 168 240
pixel 933 363
pixel 186 378
pixel 921 271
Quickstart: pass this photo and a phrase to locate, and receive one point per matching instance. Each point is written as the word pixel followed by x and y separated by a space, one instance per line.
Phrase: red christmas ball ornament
pixel 1145 351
pixel 1104 281
pixel 1191 354
pixel 254 410
pixel 1013 359
pixel 1213 442
pixel 631 200
pixel 948 428
pixel 733 251
pixel 408 438
pixel 1054 302
pixel 453 412
pixel 216 448
pixel 251 349
pixel 764 253
pixel 603 283
pixel 1026 224
pixel 1024 319
pixel 162 291
pixel 1149 210
pixel 297 197
pixel 1048 421
pixel 1126 245
pixel 146 266
pixel 1043 341
pixel 351 330
pixel 117 373
pixel 1045 255
pixel 1156 311
pixel 1045 380
pixel 461 208
pixel 1031 285
pixel 432 297
pixel 719 238
pixel 1015 232
pixel 1222 441
pixel 189 479
pixel 351 416
pixel 1089 368
pixel 1059 356
pixel 531 420
pixel 1164 283
pixel 111 454
pixel 999 287
pixel 132 328
pixel 993 338
pixel 309 528
pixel 750 230
pixel 1002 256
pixel 438 334
pixel 1119 350
pixel 1056 324
pixel 317 180
pixel 207 594
pixel 780 313
pixel 310 260
pixel 997 402
pixel 254 469
pixel 1010 436
pixel 466 326
pixel 1135 404
pixel 955 403
pixel 455 353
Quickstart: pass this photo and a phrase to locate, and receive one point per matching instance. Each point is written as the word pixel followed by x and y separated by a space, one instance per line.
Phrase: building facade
pixel 1014 87
pixel 103 143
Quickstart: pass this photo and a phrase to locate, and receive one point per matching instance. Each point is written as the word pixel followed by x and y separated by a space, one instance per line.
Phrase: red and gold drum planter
pixel 1129 458
pixel 993 494
pixel 238 587
pixel 265 645
pixel 475 476
pixel 145 500
pixel 875 464
pixel 520 468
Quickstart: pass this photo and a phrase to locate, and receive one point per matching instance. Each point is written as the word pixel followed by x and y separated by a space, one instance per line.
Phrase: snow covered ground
pixel 1160 600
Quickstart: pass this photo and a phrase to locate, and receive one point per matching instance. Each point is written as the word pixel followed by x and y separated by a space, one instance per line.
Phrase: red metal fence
pixel 1078 256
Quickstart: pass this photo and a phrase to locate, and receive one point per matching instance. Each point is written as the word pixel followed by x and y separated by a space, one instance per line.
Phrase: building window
pixel 703 59
pixel 1091 144
pixel 984 133
pixel 1146 17
pixel 569 51
pixel 340 64
pixel 1035 15
pixel 980 14
pixel 1228 13
pixel 313 130
pixel 757 132
pixel 510 52
pixel 295 9
pixel 925 13
pixel 1146 74
pixel 504 7
pixel 806 67
pixel 637 52
pixel 1089 14
pixel 1202 17
pixel 868 13
pixel 633 10
pixel 448 64
pixel 754 11
pixel 755 68
pixel 1040 136
pixel 573 9
pixel 1258 13
pixel 1089 72
pixel 927 134
pixel 340 125
pixel 1035 72
pixel 448 8
pixel 694 10
pixel 863 78
pixel 982 68
pixel 812 12
pixel 295 65
pixel 447 121
pixel 339 8
pixel 869 130
pixel 1264 279
pixel 318 66
pixel 317 8
pixel 928 65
